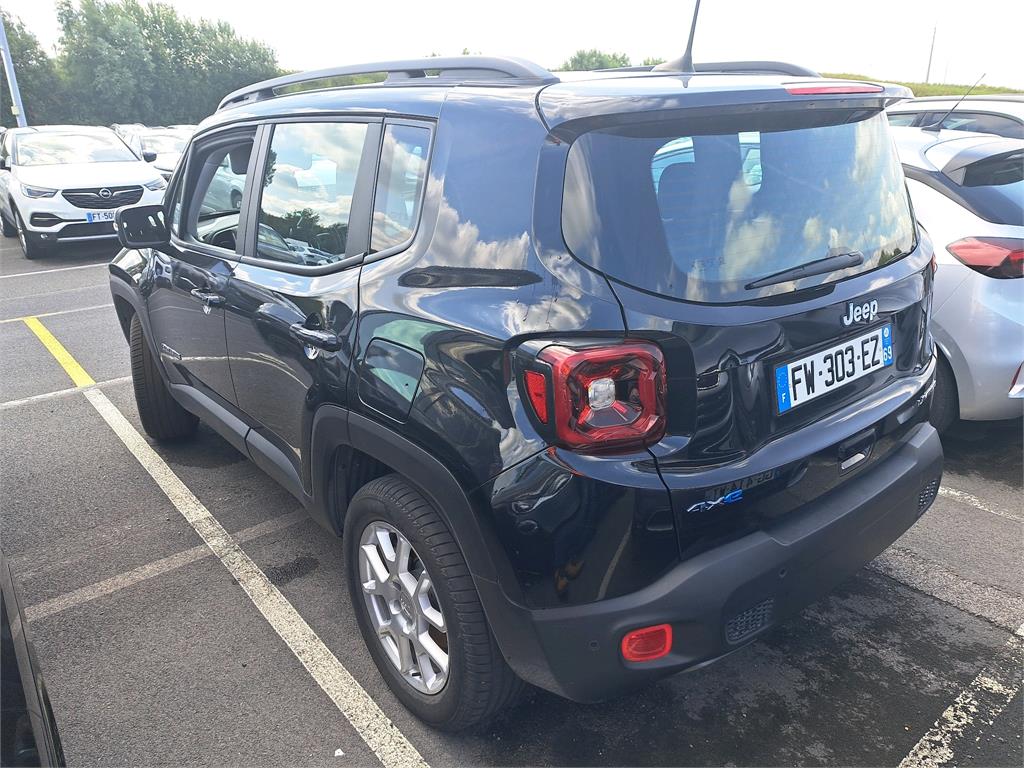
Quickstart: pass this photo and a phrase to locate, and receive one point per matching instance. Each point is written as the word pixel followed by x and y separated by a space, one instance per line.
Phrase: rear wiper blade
pixel 842 260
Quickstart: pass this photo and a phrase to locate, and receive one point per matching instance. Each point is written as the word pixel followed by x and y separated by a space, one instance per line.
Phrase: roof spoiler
pixel 452 69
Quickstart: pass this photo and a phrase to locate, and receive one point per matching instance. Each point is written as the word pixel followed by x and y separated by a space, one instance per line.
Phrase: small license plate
pixel 802 380
pixel 94 216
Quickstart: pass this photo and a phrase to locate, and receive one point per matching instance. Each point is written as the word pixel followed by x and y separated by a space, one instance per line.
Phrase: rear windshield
pixel 698 210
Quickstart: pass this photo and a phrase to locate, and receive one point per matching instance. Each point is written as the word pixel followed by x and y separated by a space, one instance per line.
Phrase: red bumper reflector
pixel 648 643
pixel 537 391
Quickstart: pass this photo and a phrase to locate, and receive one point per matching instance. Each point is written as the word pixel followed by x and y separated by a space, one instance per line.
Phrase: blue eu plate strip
pixel 782 388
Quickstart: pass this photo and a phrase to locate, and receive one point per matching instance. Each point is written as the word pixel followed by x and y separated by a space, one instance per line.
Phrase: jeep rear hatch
pixel 769 248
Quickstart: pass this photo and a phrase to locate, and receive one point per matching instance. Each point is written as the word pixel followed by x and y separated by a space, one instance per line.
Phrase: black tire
pixel 480 684
pixel 162 416
pixel 32 248
pixel 9 229
pixel 945 403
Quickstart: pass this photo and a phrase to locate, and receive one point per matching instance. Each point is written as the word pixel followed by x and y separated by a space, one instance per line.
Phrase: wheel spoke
pixel 406 653
pixel 387 549
pixel 403 555
pixel 434 652
pixel 372 556
pixel 424 589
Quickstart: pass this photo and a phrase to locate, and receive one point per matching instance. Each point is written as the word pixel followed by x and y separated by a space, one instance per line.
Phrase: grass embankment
pixel 931 89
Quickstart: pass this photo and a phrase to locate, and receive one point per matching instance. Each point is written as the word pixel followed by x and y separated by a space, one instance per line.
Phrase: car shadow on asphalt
pixel 992 449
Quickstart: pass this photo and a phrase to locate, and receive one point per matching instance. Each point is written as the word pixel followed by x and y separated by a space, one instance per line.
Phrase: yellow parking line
pixel 67 362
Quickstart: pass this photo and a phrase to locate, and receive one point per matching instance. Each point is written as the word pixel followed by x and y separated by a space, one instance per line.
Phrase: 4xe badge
pixel 860 313
pixel 730 498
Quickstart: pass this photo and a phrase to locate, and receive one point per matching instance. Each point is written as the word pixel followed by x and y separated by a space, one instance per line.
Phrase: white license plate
pixel 802 380
pixel 94 216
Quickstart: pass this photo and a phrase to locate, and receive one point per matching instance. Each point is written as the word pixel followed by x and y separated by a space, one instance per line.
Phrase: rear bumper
pixel 980 329
pixel 724 598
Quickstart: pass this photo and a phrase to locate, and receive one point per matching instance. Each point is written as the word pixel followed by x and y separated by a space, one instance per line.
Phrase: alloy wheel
pixel 403 607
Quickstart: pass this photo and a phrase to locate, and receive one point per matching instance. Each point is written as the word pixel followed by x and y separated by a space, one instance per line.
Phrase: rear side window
pixel 308 184
pixel 978 122
pixel 699 210
pixel 400 181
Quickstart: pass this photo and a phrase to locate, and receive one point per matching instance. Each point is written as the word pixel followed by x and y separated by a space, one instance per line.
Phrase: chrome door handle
pixel 325 340
pixel 209 298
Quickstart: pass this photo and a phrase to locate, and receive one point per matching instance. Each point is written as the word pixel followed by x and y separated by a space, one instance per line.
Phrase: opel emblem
pixel 105 193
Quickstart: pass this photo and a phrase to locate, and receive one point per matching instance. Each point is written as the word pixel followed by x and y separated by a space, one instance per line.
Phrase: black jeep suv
pixel 598 376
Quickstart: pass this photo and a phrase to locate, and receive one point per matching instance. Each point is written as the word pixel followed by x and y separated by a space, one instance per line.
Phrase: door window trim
pixel 184 240
pixel 430 126
pixel 362 198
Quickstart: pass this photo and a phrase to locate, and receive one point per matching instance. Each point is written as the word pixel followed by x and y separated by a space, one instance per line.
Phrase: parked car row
pixel 63 183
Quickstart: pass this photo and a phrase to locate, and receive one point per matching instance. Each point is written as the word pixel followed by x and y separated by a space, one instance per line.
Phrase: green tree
pixel 41 88
pixel 594 59
pixel 126 61
pixel 106 62
pixel 653 61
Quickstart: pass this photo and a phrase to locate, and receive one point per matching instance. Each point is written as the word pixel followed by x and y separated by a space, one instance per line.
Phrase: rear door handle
pixel 209 298
pixel 325 340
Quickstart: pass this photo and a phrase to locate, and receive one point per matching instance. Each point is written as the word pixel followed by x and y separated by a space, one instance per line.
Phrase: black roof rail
pixel 451 69
pixel 757 67
pixel 743 67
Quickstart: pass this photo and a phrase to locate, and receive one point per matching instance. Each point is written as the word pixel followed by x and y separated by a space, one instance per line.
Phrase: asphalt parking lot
pixel 154 654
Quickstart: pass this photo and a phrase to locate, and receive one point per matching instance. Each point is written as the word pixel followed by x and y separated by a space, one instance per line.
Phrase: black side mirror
pixel 141 226
pixel 149 156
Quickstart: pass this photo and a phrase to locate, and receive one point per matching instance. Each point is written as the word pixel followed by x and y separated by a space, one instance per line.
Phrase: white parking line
pixel 55 269
pixel 58 312
pixel 975 709
pixel 373 726
pixel 153 569
pixel 971 500
pixel 8 404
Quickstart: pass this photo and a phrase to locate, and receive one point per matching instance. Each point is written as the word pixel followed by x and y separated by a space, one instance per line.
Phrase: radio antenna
pixel 937 125
pixel 683 64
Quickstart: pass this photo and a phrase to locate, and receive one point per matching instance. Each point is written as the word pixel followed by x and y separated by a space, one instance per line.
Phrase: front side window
pixel 220 175
pixel 400 181
pixel 67 148
pixel 705 210
pixel 308 185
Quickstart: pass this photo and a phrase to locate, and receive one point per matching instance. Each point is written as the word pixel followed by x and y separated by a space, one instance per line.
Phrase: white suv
pixel 64 183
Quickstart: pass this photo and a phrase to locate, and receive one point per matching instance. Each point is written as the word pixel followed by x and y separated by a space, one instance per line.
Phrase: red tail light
pixel 603 398
pixel 647 644
pixel 999 257
pixel 810 89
